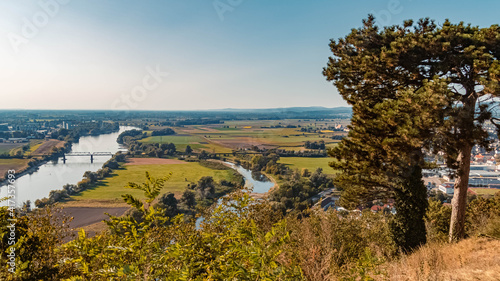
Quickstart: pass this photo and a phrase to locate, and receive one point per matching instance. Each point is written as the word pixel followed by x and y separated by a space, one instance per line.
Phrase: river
pixel 257 181
pixel 53 175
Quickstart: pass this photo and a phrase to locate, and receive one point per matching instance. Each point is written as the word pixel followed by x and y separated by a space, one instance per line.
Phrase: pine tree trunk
pixel 458 203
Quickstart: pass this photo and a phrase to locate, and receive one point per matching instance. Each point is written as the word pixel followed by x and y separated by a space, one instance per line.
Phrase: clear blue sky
pixel 97 54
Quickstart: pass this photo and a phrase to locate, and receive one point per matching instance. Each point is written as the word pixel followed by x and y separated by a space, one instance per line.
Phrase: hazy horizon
pixel 208 109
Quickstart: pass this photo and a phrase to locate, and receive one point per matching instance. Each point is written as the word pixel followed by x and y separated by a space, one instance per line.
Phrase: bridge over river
pixel 91 154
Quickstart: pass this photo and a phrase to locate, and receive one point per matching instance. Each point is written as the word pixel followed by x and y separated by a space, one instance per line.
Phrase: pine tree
pixel 382 158
pixel 372 67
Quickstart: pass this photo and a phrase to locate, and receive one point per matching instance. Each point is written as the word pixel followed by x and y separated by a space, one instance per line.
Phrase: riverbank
pixel 32 164
pixel 44 176
pixel 273 180
pixel 51 149
pixel 260 188
pixel 23 171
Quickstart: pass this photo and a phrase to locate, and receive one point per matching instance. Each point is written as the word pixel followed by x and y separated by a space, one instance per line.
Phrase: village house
pixel 446 188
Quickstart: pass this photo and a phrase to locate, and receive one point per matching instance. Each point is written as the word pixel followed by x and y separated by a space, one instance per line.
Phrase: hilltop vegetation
pixel 245 240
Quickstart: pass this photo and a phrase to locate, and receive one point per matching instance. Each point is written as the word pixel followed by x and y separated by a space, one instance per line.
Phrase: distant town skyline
pixel 188 55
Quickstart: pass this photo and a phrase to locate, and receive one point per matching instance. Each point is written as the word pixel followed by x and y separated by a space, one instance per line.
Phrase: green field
pixel 175 139
pixel 245 133
pixel 35 144
pixel 216 148
pixel 485 191
pixel 181 142
pixel 309 163
pixel 7 147
pixel 284 122
pixel 289 140
pixel 13 148
pixel 274 137
pixel 182 175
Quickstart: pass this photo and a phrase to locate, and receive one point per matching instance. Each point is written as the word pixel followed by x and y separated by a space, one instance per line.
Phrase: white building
pixel 446 188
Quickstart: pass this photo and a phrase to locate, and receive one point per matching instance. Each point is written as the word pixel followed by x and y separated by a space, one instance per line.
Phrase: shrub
pixel 437 221
pixel 482 216
pixel 38 236
pixel 328 245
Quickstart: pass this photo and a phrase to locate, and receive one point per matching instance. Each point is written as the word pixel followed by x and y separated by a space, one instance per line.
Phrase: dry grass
pixel 46 147
pixel 471 259
pixel 18 165
pixel 485 191
pixel 327 246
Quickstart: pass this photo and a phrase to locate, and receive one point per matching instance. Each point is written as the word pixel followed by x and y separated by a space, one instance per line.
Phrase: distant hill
pixel 314 112
pixel 333 110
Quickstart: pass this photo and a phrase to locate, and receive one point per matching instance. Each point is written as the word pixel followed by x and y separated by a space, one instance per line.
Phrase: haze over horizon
pixel 194 109
pixel 196 55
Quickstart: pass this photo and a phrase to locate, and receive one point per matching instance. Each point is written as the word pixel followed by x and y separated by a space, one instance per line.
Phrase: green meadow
pixel 175 139
pixel 308 163
pixel 5 148
pixel 182 175
pixel 194 141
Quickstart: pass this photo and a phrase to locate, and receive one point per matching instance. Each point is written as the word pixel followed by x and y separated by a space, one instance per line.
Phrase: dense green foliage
pixel 85 129
pixel 164 132
pixel 314 145
pixel 132 134
pixel 131 140
pixel 152 149
pixel 38 236
pixel 297 190
pixel 263 163
pixel 483 216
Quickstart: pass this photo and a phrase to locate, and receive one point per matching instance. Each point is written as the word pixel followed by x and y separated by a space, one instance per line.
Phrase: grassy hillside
pixel 470 259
